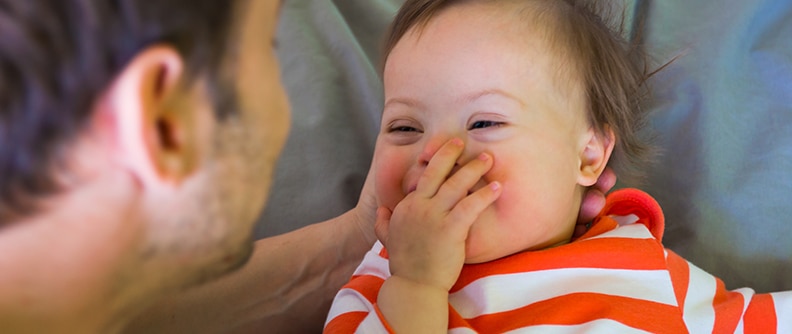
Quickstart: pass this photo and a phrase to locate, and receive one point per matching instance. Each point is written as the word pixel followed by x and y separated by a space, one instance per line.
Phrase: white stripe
pixel 371 324
pixel 625 220
pixel 603 326
pixel 348 300
pixel 373 264
pixel 499 293
pixel 633 231
pixel 783 307
pixel 698 314
pixel 377 247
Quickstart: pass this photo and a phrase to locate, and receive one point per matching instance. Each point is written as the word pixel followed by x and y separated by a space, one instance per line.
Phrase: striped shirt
pixel 616 278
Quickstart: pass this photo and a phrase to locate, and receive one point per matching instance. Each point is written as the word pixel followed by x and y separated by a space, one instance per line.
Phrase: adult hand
pixel 426 232
pixel 594 200
pixel 365 212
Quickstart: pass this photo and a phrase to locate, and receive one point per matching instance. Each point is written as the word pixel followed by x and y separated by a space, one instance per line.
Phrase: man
pixel 128 146
pixel 137 143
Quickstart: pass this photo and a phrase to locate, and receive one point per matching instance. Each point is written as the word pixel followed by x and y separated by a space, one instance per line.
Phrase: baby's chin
pixel 481 254
pixel 475 254
pixel 493 254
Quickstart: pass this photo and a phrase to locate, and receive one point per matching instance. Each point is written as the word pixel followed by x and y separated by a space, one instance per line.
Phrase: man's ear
pixel 595 154
pixel 153 114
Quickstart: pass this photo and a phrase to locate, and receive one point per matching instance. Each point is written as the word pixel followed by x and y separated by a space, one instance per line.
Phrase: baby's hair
pixel 613 71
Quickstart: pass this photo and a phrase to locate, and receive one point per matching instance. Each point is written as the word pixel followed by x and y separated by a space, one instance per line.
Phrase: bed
pixel 721 112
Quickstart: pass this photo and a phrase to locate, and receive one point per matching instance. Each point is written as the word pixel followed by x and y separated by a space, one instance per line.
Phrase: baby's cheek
pixel 512 199
pixel 504 205
pixel 388 185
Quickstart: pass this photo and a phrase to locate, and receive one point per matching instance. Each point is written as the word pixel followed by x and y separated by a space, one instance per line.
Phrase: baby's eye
pixel 403 128
pixel 484 124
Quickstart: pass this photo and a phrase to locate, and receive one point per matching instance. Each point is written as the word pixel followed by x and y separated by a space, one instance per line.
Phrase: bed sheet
pixel 722 115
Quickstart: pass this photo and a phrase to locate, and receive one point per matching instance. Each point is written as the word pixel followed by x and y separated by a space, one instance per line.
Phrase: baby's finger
pixel 439 167
pixel 458 185
pixel 470 207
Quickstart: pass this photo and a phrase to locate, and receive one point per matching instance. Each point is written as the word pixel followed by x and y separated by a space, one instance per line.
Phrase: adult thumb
pixel 382 224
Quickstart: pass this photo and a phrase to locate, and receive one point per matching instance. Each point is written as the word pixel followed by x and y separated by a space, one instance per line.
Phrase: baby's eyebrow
pixel 464 99
pixel 411 103
pixel 471 97
pixel 468 98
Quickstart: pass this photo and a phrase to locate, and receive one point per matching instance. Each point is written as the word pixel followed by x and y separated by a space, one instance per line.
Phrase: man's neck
pixel 68 268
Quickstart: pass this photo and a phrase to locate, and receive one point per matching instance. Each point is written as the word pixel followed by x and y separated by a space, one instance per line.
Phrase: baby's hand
pixel 425 234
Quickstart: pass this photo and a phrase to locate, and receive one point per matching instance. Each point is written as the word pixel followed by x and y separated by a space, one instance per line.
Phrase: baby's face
pixel 492 82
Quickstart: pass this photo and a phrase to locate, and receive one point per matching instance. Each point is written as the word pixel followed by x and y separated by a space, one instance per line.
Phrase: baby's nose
pixel 431 148
pixel 428 152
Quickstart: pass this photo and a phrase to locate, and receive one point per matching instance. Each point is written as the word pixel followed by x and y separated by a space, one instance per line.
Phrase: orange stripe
pixel 680 277
pixel 603 253
pixel 345 323
pixel 367 285
pixel 580 308
pixel 600 225
pixel 728 307
pixel 627 201
pixel 455 320
pixel 760 317
pixel 383 321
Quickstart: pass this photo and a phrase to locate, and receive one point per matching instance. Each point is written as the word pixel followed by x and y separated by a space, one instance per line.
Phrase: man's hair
pixel 612 71
pixel 57 57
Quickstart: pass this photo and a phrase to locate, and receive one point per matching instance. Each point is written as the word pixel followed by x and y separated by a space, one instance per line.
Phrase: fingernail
pixel 457 142
pixel 484 157
pixel 495 185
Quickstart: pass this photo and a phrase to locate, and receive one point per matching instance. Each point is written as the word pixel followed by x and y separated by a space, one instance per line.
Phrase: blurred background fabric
pixel 722 115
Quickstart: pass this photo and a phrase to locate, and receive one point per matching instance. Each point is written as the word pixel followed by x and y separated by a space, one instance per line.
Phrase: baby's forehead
pixel 549 20
pixel 543 25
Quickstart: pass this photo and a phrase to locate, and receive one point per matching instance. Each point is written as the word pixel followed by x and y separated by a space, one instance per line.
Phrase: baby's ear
pixel 594 155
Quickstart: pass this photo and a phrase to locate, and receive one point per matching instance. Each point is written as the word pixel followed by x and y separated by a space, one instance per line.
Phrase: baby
pixel 498 116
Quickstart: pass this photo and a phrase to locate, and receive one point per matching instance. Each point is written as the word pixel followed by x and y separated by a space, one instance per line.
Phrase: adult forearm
pixel 287 285
pixel 305 294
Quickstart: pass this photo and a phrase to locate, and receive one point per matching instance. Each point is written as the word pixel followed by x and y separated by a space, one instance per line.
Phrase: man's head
pixel 144 131
pixel 57 58
pixel 512 79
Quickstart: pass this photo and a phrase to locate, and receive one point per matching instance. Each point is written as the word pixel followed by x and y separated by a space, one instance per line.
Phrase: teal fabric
pixel 722 114
pixel 328 53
